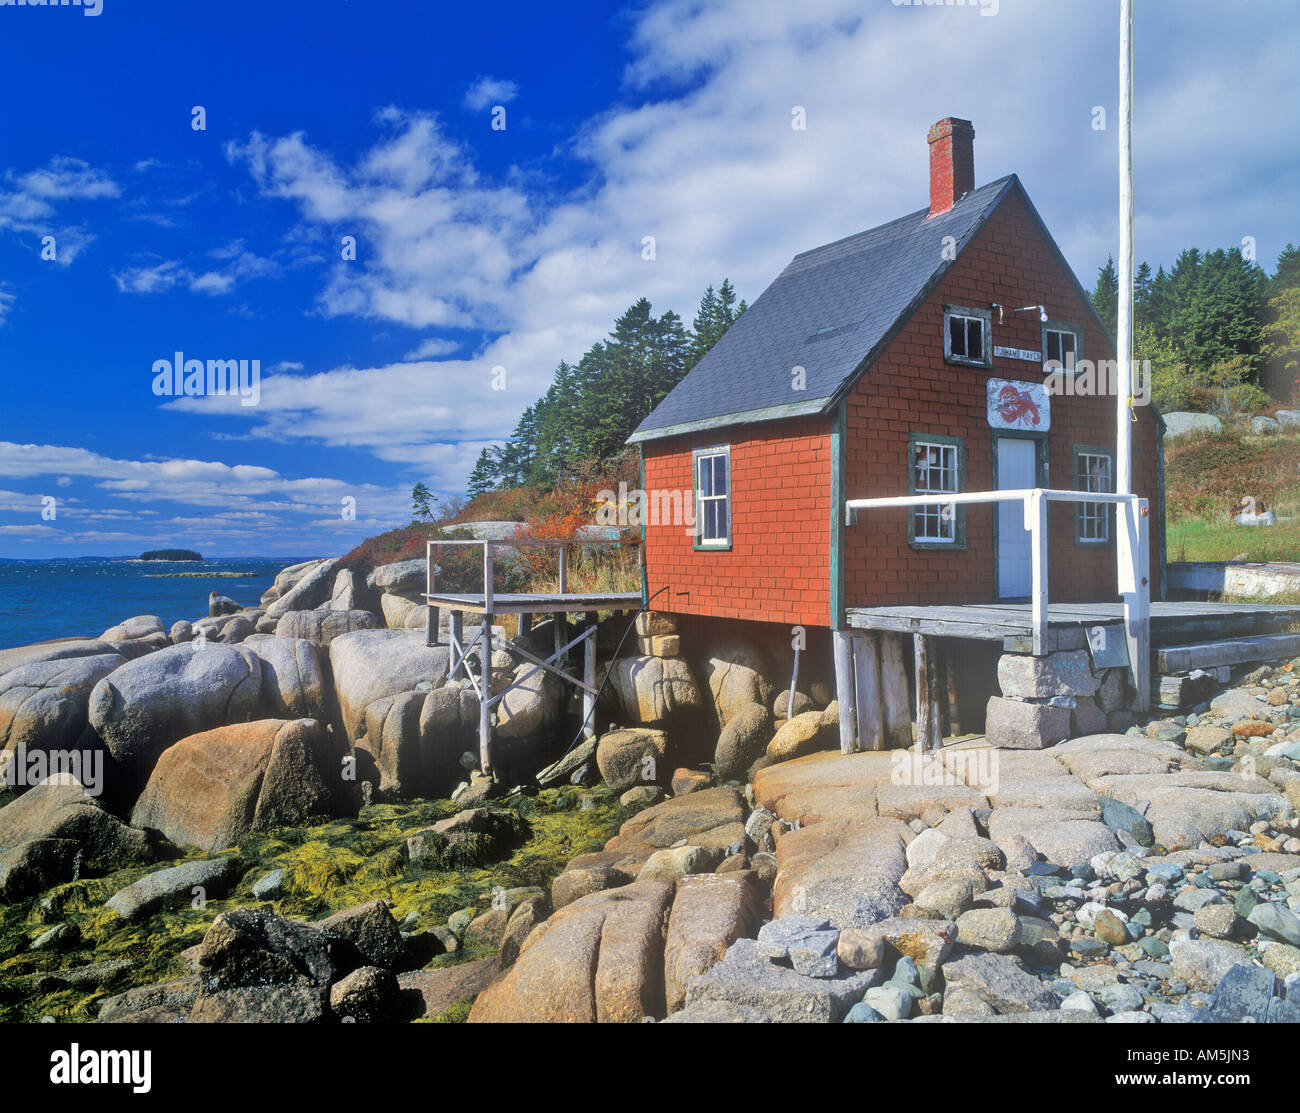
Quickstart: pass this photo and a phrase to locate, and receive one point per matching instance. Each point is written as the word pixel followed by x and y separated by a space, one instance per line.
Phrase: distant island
pixel 171 554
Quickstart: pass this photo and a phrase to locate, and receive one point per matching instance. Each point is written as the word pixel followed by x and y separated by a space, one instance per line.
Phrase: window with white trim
pixel 967 336
pixel 936 469
pixel 1094 470
pixel 713 498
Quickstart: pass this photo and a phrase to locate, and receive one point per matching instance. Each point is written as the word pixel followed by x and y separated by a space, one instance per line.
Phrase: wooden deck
pixel 1011 623
pixel 538 603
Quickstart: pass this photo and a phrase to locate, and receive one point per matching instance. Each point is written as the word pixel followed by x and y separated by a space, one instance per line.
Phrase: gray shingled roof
pixel 831 311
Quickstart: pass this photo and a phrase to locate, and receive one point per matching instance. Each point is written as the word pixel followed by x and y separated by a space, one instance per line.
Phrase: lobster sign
pixel 1017 405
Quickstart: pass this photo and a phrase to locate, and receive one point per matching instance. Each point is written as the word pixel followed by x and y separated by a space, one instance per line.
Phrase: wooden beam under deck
pixel 1170 622
pixel 538 603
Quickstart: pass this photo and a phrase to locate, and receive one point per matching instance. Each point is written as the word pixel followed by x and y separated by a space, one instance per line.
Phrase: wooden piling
pixel 866 667
pixel 845 690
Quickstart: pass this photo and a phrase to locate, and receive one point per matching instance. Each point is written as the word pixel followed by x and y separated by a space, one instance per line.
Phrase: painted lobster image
pixel 1017 405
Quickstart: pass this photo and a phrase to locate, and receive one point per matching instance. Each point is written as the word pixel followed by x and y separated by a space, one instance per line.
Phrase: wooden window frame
pixel 958 541
pixel 984 315
pixel 713 545
pixel 1075 331
pixel 1080 508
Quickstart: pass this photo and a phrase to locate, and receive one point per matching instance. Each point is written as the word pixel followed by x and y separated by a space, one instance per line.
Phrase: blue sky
pixel 513 247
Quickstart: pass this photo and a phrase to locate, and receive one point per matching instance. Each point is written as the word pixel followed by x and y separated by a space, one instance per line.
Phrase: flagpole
pixel 1124 339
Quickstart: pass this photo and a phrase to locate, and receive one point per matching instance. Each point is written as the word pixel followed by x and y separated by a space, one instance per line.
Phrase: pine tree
pixel 421 503
pixel 1287 274
pixel 484 476
pixel 1142 294
pixel 1105 295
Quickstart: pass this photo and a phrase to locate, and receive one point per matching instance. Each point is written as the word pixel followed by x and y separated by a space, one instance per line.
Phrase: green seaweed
pixel 327 868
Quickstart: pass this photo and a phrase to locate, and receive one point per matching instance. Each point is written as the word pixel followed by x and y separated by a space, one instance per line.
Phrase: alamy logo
pixel 192 378
pixel 88 7
pixel 100 1068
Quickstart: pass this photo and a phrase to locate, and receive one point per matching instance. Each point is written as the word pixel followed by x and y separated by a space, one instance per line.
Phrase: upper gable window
pixel 1061 345
pixel 967 336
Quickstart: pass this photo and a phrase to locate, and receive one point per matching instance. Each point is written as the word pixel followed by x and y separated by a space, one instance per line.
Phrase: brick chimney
pixel 952 163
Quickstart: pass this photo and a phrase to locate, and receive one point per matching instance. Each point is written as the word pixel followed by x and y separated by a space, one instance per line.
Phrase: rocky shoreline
pixel 273 813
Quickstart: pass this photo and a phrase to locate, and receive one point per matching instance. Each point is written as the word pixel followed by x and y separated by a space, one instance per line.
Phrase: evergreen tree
pixel 1287 274
pixel 1105 295
pixel 1142 293
pixel 484 476
pixel 421 503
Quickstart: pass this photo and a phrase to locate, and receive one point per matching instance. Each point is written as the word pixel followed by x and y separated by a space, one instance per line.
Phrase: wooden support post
pixel 845 692
pixel 431 612
pixel 564 569
pixel 934 743
pixel 921 658
pixel 525 624
pixel 941 685
pixel 589 678
pixel 456 627
pixel 894 692
pixel 1036 523
pixel 485 693
pixel 866 668
pixel 560 629
pixel 1135 586
pixel 954 706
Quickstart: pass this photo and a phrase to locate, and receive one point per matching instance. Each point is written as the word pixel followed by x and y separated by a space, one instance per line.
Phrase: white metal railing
pixel 1133 580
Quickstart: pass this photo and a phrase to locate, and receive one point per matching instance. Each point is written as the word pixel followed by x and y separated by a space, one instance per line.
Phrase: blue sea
pixel 83 597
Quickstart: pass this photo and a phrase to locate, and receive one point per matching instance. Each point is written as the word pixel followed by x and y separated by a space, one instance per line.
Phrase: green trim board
pixel 645 565
pixel 838 471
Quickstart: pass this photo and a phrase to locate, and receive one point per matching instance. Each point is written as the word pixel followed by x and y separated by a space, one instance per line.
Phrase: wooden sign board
pixel 1028 355
pixel 1017 405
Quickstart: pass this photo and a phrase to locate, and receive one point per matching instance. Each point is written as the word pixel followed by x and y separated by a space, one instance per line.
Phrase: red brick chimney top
pixel 952 163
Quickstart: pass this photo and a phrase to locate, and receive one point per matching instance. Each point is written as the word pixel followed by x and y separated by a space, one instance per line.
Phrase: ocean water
pixel 83 597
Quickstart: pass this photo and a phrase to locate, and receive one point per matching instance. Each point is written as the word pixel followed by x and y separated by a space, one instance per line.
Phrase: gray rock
pixel 742 742
pixel 1181 423
pixel 1202 963
pixel 269 886
pixel 55 831
pixel 889 1001
pixel 322 627
pixel 1066 673
pixel 999 982
pixel 148 704
pixel 311 590
pixel 399 577
pixel 746 978
pixel 294 680
pixel 369 665
pixel 1120 998
pixel 1277 922
pixel 174 886
pixel 1011 725
pixel 44 704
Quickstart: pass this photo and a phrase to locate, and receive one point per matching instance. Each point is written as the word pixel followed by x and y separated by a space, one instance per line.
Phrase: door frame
pixel 1040 480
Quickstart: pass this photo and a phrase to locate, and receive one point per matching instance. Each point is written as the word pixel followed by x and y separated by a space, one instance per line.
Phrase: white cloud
pixel 239 266
pixel 487 92
pixel 432 348
pixel 33 206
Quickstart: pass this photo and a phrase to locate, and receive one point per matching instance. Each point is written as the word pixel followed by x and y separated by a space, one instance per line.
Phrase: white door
pixel 1017 470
